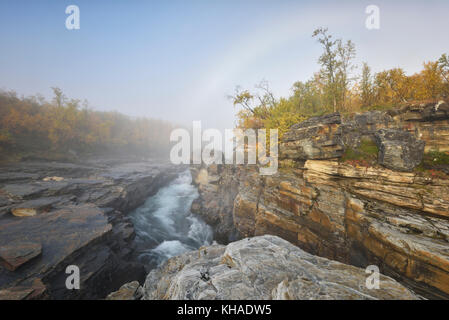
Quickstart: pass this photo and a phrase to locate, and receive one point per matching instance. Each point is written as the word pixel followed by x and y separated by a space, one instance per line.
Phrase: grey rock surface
pixel 399 150
pixel 265 267
pixel 57 214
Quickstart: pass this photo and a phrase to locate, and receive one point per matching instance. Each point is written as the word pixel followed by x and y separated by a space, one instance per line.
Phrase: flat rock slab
pixel 14 255
pixel 260 268
pixel 25 190
pixel 61 233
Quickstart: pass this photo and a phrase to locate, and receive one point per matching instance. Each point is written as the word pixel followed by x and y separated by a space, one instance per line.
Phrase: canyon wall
pixel 387 213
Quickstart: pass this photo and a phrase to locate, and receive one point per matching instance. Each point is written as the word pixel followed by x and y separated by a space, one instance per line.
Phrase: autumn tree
pixel 336 65
pixel 346 54
pixel 428 84
pixel 443 64
pixel 308 97
pixel 59 98
pixel 366 85
pixel 329 64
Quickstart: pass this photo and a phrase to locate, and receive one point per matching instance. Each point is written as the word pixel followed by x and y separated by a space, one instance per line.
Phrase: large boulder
pixel 264 267
pixel 399 150
pixel 316 138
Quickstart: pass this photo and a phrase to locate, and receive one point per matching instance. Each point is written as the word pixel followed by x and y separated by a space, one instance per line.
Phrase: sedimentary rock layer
pixel 361 215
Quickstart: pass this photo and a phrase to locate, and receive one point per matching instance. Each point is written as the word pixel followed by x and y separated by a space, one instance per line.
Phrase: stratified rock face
pixel 316 138
pixel 53 215
pixel 428 121
pixel 362 216
pixel 218 186
pixel 262 268
pixel 399 150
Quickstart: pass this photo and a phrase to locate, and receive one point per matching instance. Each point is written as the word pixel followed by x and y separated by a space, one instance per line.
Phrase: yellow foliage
pixel 27 123
pixel 385 89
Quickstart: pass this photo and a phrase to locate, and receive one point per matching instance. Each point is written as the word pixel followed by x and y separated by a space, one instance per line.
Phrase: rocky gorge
pixel 349 188
pixel 55 214
pixel 351 191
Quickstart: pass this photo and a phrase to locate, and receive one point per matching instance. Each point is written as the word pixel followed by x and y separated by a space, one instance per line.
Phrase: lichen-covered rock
pixel 399 150
pixel 265 267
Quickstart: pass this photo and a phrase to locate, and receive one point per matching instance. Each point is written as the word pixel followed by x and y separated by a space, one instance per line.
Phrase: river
pixel 164 225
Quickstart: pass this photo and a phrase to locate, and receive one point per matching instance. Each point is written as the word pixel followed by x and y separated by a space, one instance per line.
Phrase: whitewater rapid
pixel 164 225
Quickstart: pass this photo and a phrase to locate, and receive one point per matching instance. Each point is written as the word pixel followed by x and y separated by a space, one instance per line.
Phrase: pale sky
pixel 178 60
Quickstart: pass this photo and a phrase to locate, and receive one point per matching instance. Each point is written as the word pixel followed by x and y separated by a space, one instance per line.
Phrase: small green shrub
pixel 436 158
pixel 378 107
pixel 369 147
pixel 366 153
pixel 434 164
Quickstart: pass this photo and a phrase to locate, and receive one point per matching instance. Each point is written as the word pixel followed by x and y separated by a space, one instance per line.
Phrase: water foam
pixel 164 225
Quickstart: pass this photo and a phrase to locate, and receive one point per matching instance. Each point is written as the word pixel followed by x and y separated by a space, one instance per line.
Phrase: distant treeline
pixel 341 86
pixel 34 127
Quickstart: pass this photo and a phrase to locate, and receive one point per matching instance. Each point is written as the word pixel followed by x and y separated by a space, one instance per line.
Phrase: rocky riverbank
pixel 57 214
pixel 350 189
pixel 259 268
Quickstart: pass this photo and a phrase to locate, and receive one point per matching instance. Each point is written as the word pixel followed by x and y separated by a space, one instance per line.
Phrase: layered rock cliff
pixel 377 209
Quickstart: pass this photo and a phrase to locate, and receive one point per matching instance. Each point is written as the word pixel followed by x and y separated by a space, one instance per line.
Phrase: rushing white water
pixel 164 225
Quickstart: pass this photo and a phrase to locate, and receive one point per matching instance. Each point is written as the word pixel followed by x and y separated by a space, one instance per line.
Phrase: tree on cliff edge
pixel 336 66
